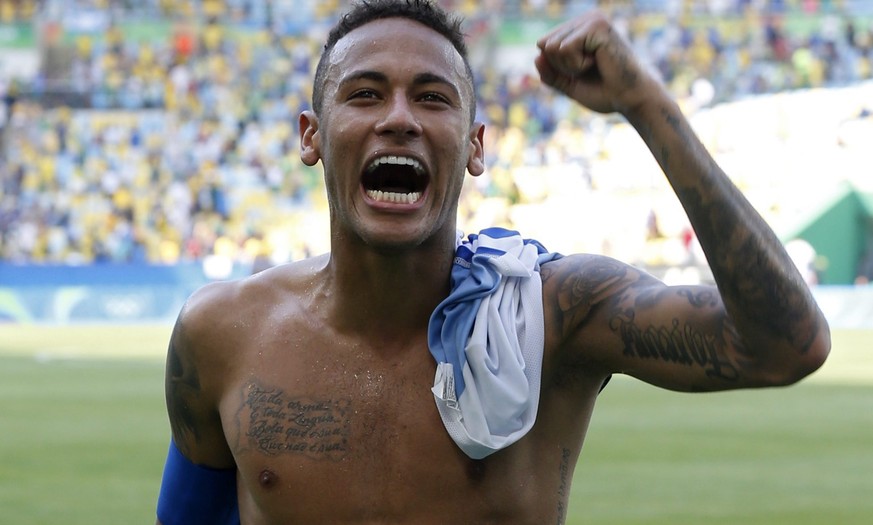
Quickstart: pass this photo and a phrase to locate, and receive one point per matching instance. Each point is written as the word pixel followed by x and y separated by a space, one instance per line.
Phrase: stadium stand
pixel 163 132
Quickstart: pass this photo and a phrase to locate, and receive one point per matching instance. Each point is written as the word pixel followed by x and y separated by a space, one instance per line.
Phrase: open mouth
pixel 395 179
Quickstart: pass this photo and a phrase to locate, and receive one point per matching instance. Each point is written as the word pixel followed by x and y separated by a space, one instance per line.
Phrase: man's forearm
pixel 762 289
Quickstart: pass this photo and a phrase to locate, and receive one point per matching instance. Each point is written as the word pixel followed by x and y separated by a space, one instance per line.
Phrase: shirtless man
pixel 307 388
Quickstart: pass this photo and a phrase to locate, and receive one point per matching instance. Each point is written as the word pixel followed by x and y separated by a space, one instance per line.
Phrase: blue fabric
pixel 196 495
pixel 473 277
pixel 487 340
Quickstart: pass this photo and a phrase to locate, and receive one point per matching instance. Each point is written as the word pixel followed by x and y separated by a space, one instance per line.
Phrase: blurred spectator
pixel 804 256
pixel 864 274
pixel 189 148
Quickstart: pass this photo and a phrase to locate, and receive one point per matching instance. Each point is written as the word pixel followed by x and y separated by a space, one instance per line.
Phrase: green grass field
pixel 84 434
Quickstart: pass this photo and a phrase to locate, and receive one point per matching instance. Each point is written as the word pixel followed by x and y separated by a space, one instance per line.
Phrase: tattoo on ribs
pixel 679 344
pixel 564 487
pixel 276 423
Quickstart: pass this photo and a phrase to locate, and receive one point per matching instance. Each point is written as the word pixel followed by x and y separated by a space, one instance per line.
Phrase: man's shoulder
pixel 573 284
pixel 244 302
pixel 583 266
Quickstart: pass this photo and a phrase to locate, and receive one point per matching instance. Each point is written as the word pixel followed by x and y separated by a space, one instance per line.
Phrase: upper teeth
pixel 385 196
pixel 389 196
pixel 399 161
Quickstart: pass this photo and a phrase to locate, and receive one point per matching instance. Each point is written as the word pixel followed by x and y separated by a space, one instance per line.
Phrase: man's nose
pixel 399 118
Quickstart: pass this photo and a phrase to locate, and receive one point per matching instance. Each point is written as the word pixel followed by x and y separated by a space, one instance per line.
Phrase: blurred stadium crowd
pixel 178 142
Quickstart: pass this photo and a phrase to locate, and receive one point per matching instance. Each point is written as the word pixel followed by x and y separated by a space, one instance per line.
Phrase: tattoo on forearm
pixel 276 423
pixel 564 487
pixel 624 59
pixel 676 124
pixel 684 134
pixel 746 268
pixel 182 384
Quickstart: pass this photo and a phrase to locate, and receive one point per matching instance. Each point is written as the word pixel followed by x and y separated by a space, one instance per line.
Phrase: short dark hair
pixel 425 12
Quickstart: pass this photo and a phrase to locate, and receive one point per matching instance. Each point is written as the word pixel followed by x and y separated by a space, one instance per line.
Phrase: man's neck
pixel 388 292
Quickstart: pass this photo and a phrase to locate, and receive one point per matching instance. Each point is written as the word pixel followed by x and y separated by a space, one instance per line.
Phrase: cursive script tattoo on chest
pixel 274 423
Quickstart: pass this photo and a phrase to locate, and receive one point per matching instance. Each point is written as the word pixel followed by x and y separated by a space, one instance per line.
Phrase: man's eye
pixel 363 93
pixel 434 97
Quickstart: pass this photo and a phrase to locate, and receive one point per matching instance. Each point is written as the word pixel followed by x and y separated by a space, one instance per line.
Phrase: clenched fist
pixel 587 60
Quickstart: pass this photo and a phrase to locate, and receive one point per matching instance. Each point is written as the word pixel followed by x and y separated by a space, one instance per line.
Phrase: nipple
pixel 267 478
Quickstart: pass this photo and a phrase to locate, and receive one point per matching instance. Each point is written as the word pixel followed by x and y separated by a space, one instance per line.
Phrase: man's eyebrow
pixel 354 76
pixel 433 78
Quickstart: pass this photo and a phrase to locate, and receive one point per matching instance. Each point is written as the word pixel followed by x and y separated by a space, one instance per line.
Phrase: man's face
pixel 394 134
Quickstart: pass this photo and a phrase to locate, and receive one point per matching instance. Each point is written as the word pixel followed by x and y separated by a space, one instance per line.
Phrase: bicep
pixel 674 337
pixel 617 319
pixel 192 397
pixel 183 392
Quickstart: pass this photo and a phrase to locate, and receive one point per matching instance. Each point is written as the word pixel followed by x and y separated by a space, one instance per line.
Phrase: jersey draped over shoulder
pixel 487 338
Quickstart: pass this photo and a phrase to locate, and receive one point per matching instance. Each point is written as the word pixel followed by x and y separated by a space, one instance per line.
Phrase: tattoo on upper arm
pixel 700 299
pixel 679 343
pixel 275 423
pixel 182 384
pixel 580 288
pixel 682 342
pixel 610 286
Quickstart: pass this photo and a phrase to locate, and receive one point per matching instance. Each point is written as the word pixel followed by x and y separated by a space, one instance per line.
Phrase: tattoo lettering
pixel 564 487
pixel 682 345
pixel 276 424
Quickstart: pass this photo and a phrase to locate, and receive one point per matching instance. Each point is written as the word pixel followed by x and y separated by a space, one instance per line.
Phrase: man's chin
pixel 393 244
pixel 396 239
pixel 398 234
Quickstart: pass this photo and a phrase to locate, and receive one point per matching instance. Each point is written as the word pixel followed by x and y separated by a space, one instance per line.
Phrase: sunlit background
pixel 149 147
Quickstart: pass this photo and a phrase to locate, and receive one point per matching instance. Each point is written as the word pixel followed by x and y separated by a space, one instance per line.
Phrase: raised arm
pixel 761 325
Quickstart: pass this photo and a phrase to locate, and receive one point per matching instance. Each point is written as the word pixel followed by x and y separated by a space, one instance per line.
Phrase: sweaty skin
pixel 313 378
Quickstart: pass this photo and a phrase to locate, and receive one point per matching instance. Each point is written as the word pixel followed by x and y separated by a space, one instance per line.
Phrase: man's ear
pixel 476 162
pixel 310 139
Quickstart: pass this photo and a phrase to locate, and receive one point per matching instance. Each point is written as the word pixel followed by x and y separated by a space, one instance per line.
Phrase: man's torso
pixel 325 427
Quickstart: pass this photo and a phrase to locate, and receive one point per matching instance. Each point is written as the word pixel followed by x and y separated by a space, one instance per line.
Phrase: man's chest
pixel 327 405
pixel 340 438
pixel 324 428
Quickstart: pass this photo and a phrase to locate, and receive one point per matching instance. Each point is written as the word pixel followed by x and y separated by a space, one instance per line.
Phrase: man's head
pixel 424 12
pixel 393 124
